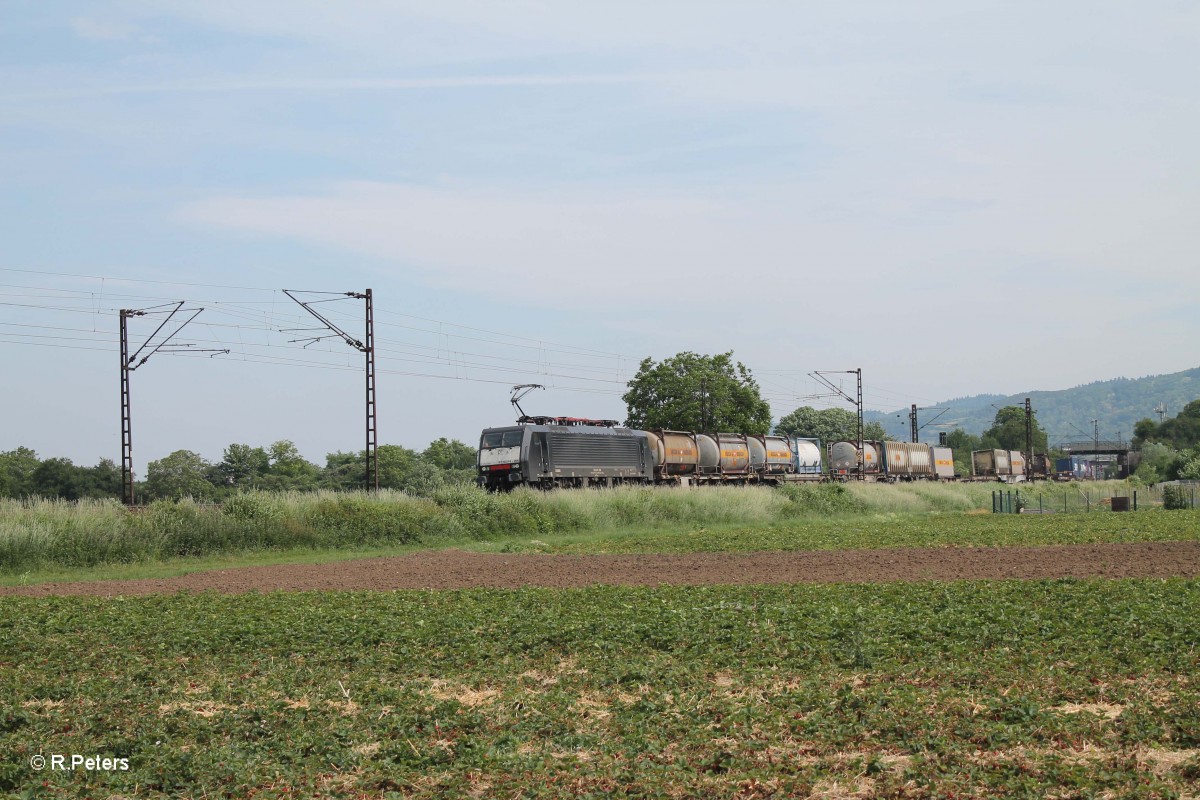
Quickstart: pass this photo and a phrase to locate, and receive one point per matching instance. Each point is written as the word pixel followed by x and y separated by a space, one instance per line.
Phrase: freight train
pixel 550 452
pixel 891 461
pixel 547 452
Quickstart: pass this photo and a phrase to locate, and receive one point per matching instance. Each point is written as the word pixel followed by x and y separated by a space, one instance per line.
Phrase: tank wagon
pixel 550 452
pixel 1003 465
pixel 892 461
pixel 806 457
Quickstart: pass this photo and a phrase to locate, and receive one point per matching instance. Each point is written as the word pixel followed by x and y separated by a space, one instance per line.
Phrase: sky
pixel 957 198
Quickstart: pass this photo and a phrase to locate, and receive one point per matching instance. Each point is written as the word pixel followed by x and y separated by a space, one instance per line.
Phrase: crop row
pixel 986 689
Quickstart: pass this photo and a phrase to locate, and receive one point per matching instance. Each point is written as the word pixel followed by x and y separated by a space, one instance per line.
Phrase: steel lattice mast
pixel 371 453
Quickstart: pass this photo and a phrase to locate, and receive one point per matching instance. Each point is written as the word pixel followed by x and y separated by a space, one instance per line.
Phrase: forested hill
pixel 1067 413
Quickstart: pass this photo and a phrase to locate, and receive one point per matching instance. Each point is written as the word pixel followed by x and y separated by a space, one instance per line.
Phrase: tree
pixel 449 454
pixel 404 469
pixel 696 393
pixel 243 465
pixel 16 472
pixel 104 479
pixel 58 477
pixel 963 444
pixel 288 469
pixel 1188 468
pixel 828 425
pixel 1008 431
pixel 1180 432
pixel 181 474
pixel 343 470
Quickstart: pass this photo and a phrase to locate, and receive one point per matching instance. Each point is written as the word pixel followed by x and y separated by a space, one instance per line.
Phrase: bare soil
pixel 457 569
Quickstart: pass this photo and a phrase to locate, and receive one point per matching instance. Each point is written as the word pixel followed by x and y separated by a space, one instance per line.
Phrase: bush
pixel 1175 498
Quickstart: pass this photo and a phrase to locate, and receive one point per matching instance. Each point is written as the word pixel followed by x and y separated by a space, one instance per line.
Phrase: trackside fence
pixel 1076 499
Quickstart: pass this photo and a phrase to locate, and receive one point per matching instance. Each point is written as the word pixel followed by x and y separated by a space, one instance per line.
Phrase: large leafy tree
pixel 58 477
pixel 288 469
pixel 694 392
pixel 827 424
pixel 243 465
pixel 1008 431
pixel 181 474
pixel 449 454
pixel 16 472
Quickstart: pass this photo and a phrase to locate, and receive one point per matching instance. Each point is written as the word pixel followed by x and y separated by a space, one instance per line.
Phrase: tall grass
pixel 41 533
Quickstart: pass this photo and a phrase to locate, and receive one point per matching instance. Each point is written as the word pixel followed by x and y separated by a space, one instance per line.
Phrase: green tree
pixel 1157 461
pixel 1188 468
pixel 404 469
pixel 344 471
pixel 16 472
pixel 104 479
pixel 450 454
pixel 828 425
pixel 696 392
pixel 181 474
pixel 243 465
pixel 1180 432
pixel 1008 432
pixel 963 444
pixel 288 470
pixel 58 477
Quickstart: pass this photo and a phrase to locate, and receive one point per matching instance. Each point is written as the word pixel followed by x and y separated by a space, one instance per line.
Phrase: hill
pixel 1066 414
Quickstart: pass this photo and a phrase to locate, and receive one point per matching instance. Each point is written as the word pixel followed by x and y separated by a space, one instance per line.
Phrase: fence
pixel 1074 499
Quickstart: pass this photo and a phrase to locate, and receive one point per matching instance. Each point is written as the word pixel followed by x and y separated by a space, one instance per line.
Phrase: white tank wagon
pixel 806 457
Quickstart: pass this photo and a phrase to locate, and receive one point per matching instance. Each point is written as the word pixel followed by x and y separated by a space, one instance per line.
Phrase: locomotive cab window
pixel 501 439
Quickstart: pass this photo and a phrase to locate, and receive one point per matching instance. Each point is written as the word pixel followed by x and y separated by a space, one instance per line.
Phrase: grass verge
pixel 47 535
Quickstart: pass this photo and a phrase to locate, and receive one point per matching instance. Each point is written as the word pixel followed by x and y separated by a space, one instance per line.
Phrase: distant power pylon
pixel 1161 410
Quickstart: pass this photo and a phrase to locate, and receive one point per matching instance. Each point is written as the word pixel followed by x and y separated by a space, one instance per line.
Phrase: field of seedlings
pixel 912 686
pixel 1069 688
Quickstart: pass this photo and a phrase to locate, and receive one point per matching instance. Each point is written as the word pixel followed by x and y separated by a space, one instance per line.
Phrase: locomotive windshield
pixel 501 439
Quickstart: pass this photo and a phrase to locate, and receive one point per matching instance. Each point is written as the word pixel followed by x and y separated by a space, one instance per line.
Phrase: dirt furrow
pixel 457 569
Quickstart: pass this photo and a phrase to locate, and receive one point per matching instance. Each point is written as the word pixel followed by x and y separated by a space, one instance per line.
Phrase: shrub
pixel 1175 497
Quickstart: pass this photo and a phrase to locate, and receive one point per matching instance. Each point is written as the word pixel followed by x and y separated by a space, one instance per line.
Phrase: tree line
pixel 689 392
pixel 1171 448
pixel 278 467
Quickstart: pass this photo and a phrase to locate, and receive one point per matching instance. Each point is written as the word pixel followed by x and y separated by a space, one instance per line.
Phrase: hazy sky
pixel 957 197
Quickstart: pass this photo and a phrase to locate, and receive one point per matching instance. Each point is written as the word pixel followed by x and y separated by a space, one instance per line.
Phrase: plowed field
pixel 456 569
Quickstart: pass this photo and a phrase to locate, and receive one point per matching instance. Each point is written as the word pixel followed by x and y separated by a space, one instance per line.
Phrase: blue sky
pixel 959 198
